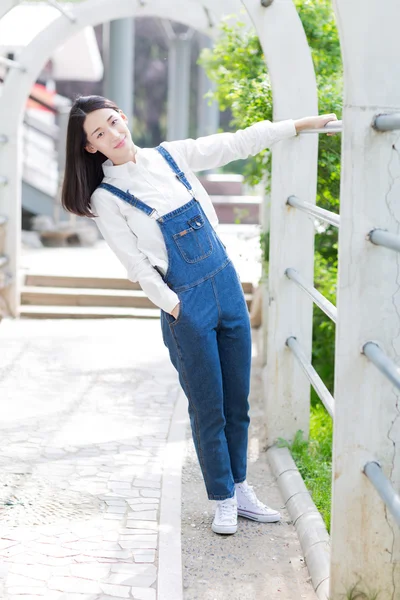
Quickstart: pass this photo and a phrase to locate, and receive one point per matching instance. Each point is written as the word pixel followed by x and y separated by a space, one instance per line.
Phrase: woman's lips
pixel 121 143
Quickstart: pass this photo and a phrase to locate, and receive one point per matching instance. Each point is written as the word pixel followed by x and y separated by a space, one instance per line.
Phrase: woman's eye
pixel 115 121
pixel 99 135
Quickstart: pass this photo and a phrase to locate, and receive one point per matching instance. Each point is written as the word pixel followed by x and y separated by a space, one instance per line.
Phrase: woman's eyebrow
pixel 110 117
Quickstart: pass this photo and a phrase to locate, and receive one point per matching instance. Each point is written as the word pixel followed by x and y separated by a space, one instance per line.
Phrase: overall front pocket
pixel 194 243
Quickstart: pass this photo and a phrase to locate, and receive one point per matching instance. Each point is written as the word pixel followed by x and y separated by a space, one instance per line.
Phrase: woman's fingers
pixel 328 119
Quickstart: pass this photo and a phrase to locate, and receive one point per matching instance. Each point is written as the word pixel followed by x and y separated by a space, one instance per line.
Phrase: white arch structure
pixel 365 541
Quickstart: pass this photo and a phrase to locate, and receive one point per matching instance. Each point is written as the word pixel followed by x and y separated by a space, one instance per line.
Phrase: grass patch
pixel 314 459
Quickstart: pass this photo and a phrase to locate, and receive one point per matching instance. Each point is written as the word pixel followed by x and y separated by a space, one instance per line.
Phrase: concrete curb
pixel 169 581
pixel 310 527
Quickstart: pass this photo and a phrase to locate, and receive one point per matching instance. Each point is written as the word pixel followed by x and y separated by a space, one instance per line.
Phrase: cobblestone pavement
pixel 84 418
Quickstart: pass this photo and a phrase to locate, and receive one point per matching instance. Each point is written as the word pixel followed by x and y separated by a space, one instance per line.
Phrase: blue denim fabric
pixel 210 341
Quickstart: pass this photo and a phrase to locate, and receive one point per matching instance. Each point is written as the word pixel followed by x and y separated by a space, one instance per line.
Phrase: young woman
pixel 158 219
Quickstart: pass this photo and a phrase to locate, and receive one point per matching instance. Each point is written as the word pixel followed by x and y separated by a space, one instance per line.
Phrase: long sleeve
pixel 216 150
pixel 123 243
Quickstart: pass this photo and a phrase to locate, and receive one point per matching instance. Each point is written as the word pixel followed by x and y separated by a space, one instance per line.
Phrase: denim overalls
pixel 210 341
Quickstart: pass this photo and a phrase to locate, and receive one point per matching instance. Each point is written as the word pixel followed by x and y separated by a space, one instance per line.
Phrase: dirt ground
pixel 261 561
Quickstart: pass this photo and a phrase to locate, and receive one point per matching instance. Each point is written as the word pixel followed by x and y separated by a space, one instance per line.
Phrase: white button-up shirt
pixel 135 237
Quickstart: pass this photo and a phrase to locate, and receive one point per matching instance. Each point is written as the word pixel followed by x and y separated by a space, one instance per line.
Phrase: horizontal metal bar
pixel 382 362
pixel 62 10
pixel 384 488
pixel 331 127
pixel 380 237
pixel 320 300
pixel 315 380
pixel 11 64
pixel 3 139
pixel 386 122
pixel 316 211
pixel 5 280
pixel 3 180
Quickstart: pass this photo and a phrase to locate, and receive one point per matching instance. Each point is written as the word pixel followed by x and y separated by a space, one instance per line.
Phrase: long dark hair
pixel 83 170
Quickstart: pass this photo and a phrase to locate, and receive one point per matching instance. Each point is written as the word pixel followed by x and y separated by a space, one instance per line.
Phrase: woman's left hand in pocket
pixel 175 311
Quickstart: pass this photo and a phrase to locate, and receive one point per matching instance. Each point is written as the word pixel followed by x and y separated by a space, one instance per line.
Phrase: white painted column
pixel 178 87
pixel 294 171
pixel 207 114
pixel 365 539
pixel 120 63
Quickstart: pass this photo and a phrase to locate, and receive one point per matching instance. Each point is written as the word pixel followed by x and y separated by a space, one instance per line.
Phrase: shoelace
pixel 251 495
pixel 226 510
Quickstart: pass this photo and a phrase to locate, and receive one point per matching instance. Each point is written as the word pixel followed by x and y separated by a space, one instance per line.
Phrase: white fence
pixel 378 454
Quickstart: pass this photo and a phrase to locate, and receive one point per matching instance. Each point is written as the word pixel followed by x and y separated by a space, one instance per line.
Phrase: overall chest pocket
pixel 194 242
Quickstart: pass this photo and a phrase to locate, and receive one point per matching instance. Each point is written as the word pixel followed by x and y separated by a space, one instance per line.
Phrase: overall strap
pixel 132 200
pixel 179 174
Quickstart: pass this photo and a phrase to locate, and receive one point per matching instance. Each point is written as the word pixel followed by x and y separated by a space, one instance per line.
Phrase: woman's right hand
pixel 175 311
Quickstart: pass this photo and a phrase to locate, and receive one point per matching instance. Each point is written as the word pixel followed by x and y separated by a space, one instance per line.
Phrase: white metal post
pixel 294 171
pixel 365 538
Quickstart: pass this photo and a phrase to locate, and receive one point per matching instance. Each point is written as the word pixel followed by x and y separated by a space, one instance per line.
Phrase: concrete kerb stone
pixel 310 527
pixel 170 582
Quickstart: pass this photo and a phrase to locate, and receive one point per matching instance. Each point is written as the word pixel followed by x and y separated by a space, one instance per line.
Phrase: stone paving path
pixel 85 412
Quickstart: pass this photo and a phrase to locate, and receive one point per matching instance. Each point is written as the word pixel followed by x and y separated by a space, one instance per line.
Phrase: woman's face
pixel 107 132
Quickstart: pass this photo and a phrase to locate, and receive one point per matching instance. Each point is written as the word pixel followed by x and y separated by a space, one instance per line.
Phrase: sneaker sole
pixel 259 518
pixel 227 530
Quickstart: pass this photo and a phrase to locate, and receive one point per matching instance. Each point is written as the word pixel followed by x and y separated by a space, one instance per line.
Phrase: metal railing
pixel 315 211
pixel 387 122
pixel 331 127
pixel 6 280
pixel 371 349
pixel 383 486
pixel 315 380
pixel 319 299
pixel 380 237
pixel 382 362
pixel 11 64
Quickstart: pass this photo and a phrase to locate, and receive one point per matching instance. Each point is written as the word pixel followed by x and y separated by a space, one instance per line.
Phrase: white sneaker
pixel 249 505
pixel 225 519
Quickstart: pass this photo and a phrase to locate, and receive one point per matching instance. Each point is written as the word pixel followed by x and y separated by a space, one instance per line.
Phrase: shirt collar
pixel 120 171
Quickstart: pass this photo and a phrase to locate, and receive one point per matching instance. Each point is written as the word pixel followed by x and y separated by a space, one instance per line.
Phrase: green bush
pixel 313 458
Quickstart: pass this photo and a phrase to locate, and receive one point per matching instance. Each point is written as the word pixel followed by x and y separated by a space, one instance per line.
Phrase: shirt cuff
pixel 169 300
pixel 284 129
